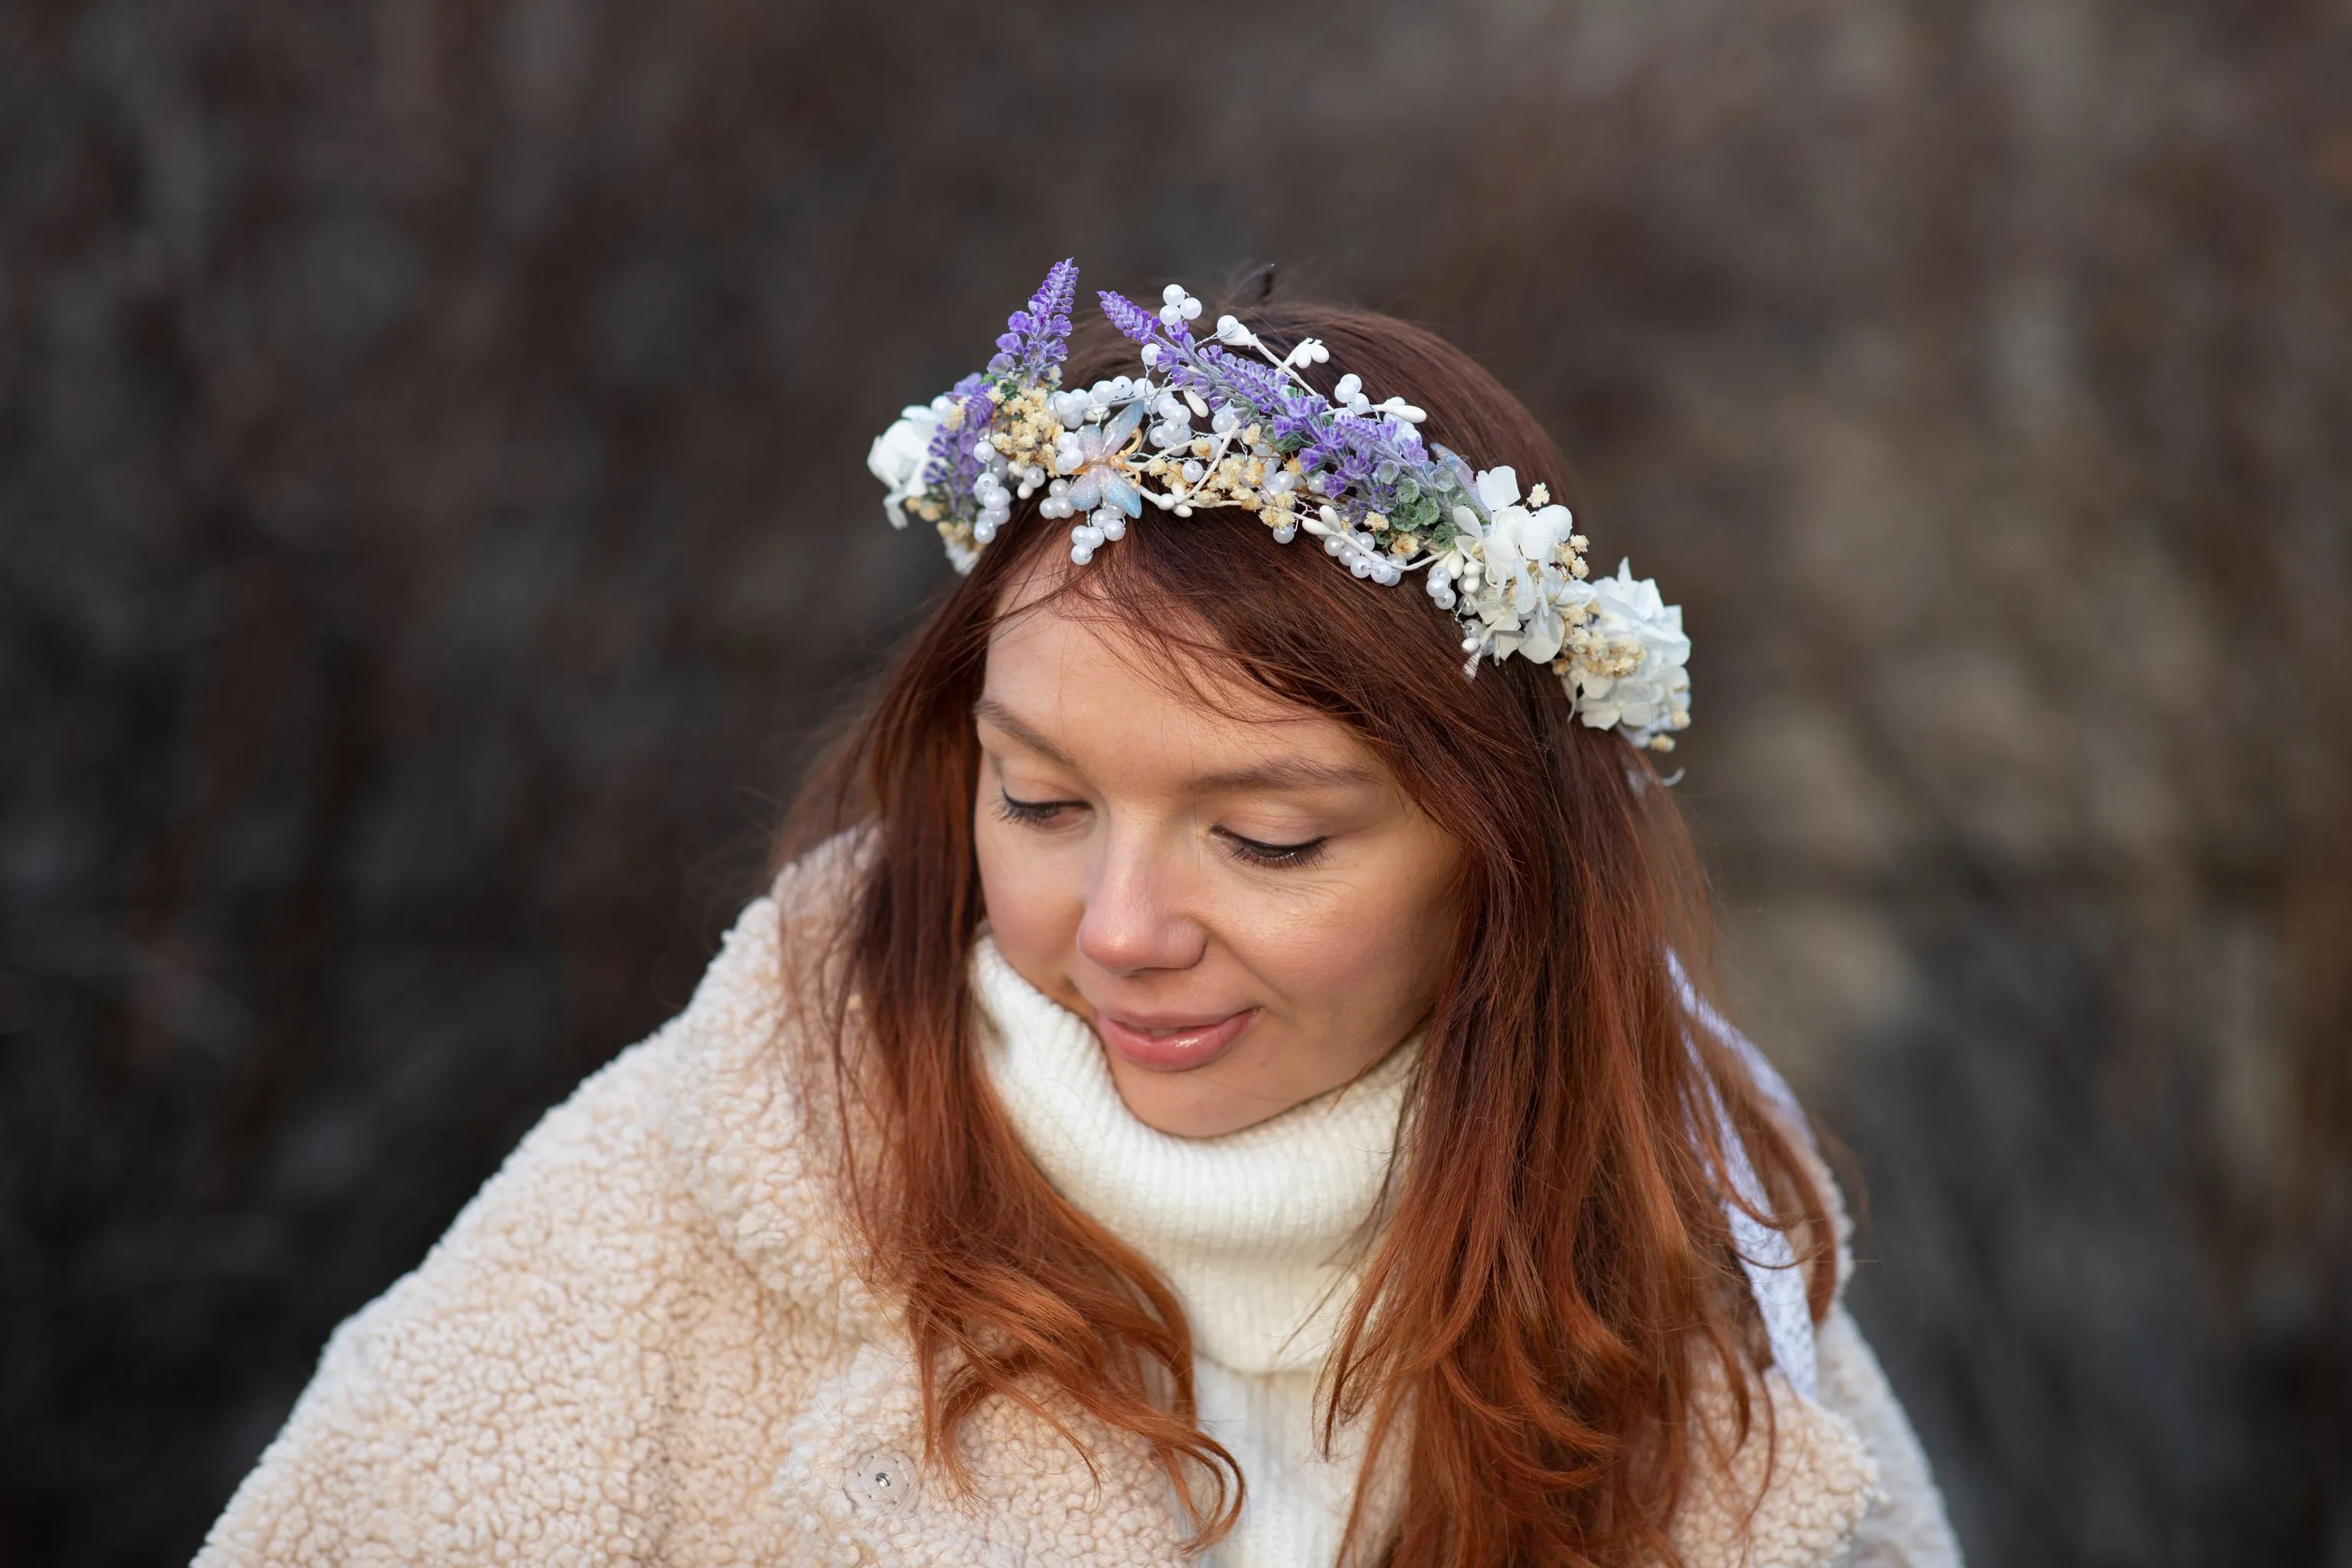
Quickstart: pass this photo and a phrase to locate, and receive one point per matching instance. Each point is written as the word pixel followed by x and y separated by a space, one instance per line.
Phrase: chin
pixel 1192 1104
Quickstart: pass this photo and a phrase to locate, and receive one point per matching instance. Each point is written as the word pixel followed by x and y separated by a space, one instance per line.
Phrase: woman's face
pixel 1235 892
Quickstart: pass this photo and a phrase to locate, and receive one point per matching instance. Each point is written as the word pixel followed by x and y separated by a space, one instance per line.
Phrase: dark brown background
pixel 433 519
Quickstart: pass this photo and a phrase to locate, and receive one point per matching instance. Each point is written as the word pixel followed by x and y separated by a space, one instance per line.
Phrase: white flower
pixel 897 455
pixel 1523 584
pixel 1629 673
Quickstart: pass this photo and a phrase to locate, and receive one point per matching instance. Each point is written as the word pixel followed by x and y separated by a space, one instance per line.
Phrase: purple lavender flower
pixel 1297 418
pixel 1131 319
pixel 1362 462
pixel 949 466
pixel 1036 339
pixel 1246 382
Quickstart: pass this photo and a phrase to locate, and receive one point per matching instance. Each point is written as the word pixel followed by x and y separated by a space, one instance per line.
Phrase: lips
pixel 1172 1046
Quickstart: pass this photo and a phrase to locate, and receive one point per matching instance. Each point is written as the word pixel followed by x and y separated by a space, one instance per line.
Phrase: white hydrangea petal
pixel 1544 632
pixel 1498 487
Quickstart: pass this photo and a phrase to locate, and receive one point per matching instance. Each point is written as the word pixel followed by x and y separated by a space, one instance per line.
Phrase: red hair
pixel 1555 1267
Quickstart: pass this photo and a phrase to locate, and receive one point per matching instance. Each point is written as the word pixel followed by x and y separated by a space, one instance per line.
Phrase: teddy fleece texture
pixel 646 1342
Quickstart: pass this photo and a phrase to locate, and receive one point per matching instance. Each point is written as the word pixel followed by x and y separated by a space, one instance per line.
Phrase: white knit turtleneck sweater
pixel 1253 1231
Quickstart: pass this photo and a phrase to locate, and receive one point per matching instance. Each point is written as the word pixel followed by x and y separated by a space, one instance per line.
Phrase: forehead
pixel 1064 678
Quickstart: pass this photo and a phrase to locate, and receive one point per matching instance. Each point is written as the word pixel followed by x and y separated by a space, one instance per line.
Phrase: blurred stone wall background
pixel 433 526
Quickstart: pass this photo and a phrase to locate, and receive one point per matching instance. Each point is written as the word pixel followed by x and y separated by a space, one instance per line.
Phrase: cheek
pixel 1370 958
pixel 1033 901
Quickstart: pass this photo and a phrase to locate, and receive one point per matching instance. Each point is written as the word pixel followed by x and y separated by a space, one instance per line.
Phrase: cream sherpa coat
pixel 643 1343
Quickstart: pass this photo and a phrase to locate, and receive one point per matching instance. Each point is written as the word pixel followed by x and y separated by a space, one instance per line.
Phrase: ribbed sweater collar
pixel 1256 1231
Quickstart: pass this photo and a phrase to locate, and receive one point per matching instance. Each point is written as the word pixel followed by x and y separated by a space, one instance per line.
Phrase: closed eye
pixel 1257 853
pixel 1034 813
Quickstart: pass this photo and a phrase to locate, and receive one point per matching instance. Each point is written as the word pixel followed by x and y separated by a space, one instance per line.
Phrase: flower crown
pixel 1350 471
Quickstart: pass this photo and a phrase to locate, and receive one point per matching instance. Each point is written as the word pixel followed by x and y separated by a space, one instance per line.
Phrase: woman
pixel 1223 1081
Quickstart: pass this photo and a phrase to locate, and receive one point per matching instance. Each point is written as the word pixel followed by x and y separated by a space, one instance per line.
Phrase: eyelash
pixel 1284 856
pixel 1027 813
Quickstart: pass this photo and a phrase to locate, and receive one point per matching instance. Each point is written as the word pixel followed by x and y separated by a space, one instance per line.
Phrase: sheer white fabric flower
pixel 1094 458
pixel 897 455
pixel 1634 677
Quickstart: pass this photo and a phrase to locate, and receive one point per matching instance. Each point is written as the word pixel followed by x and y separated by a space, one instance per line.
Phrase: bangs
pixel 1204 604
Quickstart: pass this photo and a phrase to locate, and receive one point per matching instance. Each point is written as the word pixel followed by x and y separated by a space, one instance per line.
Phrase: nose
pixel 1137 916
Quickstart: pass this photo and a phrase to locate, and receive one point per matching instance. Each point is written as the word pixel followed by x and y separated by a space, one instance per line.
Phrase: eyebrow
pixel 1274 773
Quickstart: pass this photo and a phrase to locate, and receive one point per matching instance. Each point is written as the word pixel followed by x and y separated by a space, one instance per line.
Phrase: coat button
pixel 882 1482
